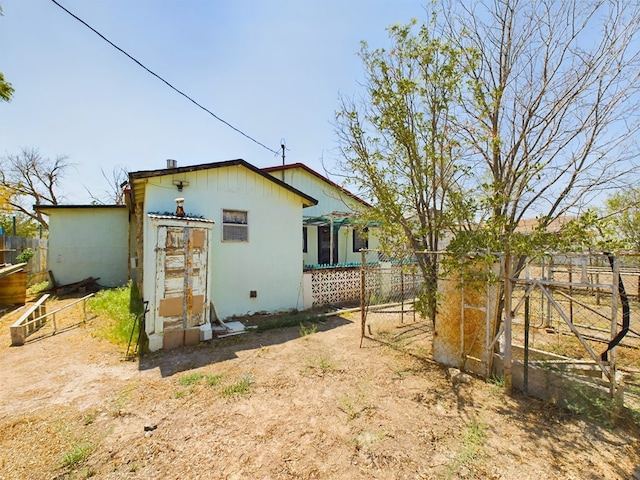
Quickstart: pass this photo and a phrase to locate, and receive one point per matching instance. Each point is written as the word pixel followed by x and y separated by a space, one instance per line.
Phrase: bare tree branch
pixel 32 179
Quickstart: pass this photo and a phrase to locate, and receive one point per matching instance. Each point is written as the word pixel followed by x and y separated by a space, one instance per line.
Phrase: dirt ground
pixel 280 404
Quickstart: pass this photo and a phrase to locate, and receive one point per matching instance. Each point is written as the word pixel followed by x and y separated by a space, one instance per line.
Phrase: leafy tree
pixel 6 90
pixel 24 226
pixel 399 145
pixel 623 210
pixel 32 180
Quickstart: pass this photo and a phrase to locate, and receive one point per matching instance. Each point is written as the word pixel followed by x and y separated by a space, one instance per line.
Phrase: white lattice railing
pixel 341 285
pixel 333 286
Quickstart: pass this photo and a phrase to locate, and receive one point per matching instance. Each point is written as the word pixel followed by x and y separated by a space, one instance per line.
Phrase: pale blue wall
pixel 270 263
pixel 89 242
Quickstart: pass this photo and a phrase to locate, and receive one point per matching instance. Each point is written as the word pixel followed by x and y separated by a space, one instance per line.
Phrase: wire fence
pixel 392 286
pixel 575 314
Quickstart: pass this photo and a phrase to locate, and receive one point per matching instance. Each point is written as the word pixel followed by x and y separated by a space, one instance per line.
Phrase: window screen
pixel 235 226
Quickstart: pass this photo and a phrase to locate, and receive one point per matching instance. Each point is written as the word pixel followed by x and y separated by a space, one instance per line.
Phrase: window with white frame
pixel 235 226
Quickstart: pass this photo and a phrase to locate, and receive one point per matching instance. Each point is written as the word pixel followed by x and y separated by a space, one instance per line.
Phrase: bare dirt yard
pixel 287 403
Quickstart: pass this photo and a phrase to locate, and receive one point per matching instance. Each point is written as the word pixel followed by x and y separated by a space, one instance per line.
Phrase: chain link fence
pixel 393 288
pixel 573 314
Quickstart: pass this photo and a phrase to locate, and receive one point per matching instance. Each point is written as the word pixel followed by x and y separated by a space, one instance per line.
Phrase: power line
pixel 164 81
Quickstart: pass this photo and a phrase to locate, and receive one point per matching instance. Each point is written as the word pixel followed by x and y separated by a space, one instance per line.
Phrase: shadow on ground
pixel 216 350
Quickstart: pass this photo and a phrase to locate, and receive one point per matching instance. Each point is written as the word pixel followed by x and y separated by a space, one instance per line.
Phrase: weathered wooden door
pixel 181 269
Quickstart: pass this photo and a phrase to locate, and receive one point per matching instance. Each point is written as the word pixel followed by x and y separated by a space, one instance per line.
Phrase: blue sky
pixel 272 68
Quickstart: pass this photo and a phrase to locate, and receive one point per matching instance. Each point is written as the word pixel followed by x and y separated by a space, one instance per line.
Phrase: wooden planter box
pixel 13 285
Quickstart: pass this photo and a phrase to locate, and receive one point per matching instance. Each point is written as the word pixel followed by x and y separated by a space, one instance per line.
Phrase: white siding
pixel 89 242
pixel 270 263
pixel 331 200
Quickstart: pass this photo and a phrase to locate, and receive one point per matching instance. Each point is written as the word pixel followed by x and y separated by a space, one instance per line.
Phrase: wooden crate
pixel 13 288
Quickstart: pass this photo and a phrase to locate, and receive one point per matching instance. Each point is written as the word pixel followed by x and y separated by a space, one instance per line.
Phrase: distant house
pixel 227 233
pixel 333 232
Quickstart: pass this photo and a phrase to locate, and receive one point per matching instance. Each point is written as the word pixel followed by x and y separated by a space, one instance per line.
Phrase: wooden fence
pixel 11 247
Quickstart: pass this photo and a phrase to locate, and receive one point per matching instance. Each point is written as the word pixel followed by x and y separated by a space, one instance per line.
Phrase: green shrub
pixel 25 255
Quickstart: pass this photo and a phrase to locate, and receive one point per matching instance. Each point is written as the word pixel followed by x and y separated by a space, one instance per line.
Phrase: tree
pixel 32 180
pixel 6 90
pixel 24 226
pixel 399 145
pixel 115 194
pixel 553 113
pixel 623 210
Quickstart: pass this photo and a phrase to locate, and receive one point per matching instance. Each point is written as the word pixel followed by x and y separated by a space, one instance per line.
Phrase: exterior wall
pixel 331 200
pixel 310 257
pixel 269 264
pixel 89 242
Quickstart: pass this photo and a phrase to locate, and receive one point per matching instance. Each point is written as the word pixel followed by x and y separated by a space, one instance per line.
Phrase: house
pixel 88 241
pixel 332 233
pixel 209 241
pixel 225 234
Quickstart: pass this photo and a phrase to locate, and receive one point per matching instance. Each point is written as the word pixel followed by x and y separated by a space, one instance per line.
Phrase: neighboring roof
pixel 133 176
pixel 527 225
pixel 291 166
pixel 44 208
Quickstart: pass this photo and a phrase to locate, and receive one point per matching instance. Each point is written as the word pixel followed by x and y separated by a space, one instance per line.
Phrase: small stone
pixel 150 426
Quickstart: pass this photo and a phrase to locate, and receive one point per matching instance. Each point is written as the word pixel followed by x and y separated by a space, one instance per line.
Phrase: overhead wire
pixel 163 80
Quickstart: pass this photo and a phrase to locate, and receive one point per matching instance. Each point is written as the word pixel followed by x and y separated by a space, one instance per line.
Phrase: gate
pixel 554 326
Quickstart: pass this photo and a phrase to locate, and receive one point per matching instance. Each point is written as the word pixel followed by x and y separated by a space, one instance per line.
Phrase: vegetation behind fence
pixel 11 249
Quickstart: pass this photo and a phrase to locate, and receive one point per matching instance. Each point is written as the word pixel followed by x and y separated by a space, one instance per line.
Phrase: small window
pixel 360 239
pixel 235 227
pixel 304 239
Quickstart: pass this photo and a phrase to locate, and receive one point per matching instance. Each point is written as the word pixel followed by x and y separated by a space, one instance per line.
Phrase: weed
pixel 366 440
pixel 213 379
pixel 356 403
pixel 89 472
pixel 306 331
pixel 78 454
pixel 116 305
pixel 121 400
pixel 190 379
pixel 498 384
pixel 285 322
pixel 586 402
pixel 319 366
pixel 239 388
pixel 179 394
pixel 473 438
pixel 89 419
pixel 37 288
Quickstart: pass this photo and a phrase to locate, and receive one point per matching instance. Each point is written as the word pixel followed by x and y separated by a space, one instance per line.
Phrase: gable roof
pixel 291 166
pixel 135 177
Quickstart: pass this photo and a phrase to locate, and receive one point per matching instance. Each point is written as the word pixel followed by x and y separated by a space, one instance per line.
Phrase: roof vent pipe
pixel 171 163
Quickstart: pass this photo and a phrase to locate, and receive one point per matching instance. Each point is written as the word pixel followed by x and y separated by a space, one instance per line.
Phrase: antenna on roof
pixel 283 146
